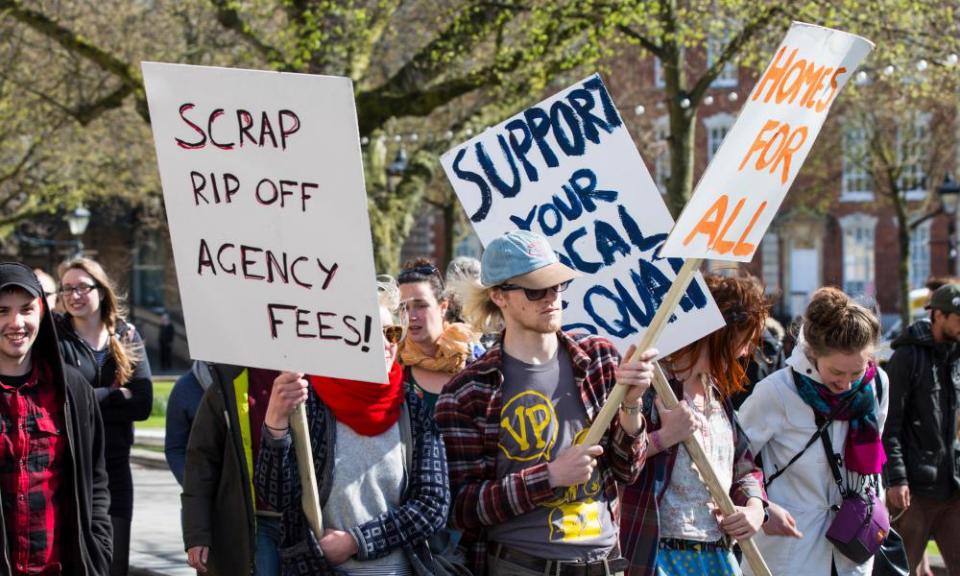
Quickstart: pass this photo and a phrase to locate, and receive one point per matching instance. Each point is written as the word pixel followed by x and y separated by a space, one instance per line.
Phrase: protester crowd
pixel 470 459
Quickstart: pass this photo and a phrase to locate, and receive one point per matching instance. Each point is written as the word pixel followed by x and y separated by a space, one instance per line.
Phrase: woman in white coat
pixel 831 365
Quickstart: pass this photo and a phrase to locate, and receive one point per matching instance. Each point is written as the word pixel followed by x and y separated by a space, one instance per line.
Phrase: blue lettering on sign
pixel 571 122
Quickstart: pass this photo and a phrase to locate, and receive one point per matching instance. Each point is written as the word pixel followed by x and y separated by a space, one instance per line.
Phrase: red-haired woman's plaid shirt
pixel 32 446
pixel 468 413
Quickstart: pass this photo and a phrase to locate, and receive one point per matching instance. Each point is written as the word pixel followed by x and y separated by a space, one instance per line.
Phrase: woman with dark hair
pixel 434 350
pixel 830 373
pixel 670 525
pixel 109 352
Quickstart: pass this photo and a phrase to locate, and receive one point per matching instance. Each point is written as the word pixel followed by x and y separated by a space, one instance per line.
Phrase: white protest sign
pixel 748 178
pixel 567 168
pixel 265 199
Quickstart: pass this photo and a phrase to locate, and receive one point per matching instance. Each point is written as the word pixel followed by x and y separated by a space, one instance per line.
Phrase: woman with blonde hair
pixel 830 394
pixel 95 339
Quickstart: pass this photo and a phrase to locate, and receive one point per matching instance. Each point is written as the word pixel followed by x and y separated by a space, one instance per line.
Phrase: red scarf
pixel 366 407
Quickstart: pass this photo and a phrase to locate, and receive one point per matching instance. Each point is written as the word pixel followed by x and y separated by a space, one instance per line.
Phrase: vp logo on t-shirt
pixel 530 423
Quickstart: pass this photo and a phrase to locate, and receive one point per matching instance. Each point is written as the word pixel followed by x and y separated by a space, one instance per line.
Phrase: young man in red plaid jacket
pixel 529 497
pixel 53 483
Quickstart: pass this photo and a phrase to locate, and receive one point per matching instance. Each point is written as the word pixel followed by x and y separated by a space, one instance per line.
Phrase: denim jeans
pixel 268 540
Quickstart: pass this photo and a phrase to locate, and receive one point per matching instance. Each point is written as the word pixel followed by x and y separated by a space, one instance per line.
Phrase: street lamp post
pixel 949 193
pixel 78 220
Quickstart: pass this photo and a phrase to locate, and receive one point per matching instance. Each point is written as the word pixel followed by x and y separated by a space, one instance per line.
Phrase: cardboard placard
pixel 568 169
pixel 749 176
pixel 263 185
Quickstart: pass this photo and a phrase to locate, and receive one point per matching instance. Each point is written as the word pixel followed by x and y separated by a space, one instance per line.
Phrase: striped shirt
pixel 468 414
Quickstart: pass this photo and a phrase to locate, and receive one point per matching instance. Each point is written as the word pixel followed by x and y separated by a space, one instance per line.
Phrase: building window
pixel 658 80
pixel 717 127
pixel 770 260
pixel 858 254
pixel 728 74
pixel 149 259
pixel 661 133
pixel 857 184
pixel 920 255
pixel 912 142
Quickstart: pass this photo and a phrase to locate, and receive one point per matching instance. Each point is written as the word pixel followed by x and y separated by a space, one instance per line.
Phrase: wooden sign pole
pixel 669 400
pixel 310 498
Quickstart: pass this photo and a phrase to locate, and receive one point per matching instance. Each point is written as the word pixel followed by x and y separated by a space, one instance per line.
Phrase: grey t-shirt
pixel 543 414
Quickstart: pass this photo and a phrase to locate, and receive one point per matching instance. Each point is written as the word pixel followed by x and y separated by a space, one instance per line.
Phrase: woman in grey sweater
pixel 380 464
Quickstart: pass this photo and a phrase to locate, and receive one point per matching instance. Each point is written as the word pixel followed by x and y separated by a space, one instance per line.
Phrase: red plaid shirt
pixel 468 413
pixel 32 448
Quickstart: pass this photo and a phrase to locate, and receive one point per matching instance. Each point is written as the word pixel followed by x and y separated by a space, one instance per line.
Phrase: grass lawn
pixel 161 391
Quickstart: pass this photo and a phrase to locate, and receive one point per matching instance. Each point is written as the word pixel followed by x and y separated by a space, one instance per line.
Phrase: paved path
pixel 156 545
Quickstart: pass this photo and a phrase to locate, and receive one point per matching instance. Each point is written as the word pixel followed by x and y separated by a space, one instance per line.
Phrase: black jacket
pixel 119 413
pixel 218 509
pixel 86 542
pixel 921 429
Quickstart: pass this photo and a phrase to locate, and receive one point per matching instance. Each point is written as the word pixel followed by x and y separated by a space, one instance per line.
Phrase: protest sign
pixel 744 185
pixel 567 168
pixel 265 200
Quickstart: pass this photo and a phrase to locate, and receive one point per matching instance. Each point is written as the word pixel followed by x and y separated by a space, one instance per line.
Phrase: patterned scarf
pixel 863 450
pixel 368 408
pixel 453 350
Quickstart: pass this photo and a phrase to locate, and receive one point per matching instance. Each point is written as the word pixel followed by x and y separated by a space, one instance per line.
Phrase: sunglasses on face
pixel 79 289
pixel 534 294
pixel 412 274
pixel 393 334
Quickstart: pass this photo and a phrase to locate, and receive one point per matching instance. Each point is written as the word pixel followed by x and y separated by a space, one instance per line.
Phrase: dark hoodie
pixel 86 540
pixel 921 429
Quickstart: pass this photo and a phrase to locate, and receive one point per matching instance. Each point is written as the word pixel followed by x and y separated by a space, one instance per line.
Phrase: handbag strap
pixel 821 430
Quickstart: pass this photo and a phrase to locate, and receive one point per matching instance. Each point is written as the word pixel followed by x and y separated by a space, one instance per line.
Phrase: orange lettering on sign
pixel 774 74
pixel 745 248
pixel 722 246
pixel 776 149
pixel 710 223
pixel 823 103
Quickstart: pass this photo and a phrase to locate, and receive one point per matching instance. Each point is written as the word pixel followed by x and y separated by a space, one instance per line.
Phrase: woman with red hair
pixel 670 525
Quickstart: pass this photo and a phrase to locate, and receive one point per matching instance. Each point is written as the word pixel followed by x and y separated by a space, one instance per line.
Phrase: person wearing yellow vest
pixel 227 530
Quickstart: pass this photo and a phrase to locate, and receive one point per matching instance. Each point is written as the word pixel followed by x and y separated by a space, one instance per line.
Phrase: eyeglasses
pixel 393 334
pixel 79 289
pixel 534 294
pixel 407 275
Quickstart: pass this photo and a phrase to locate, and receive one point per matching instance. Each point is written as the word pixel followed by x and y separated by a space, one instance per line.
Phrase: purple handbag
pixel 862 522
pixel 860 526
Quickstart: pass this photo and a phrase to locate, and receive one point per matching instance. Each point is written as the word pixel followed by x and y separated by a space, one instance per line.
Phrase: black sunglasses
pixel 414 274
pixel 534 294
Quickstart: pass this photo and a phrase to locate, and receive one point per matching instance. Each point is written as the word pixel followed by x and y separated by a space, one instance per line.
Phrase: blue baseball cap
pixel 525 259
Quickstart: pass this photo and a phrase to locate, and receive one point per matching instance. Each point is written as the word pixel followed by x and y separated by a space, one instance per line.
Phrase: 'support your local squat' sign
pixel 568 169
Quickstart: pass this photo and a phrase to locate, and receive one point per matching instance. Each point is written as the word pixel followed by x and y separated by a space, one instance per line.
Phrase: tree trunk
pixel 682 134
pixel 903 266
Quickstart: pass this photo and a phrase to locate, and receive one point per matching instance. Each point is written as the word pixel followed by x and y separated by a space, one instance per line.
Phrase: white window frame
pixel 914 172
pixel 859 262
pixel 856 181
pixel 661 162
pixel 770 262
pixel 920 255
pixel 729 75
pixel 717 127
